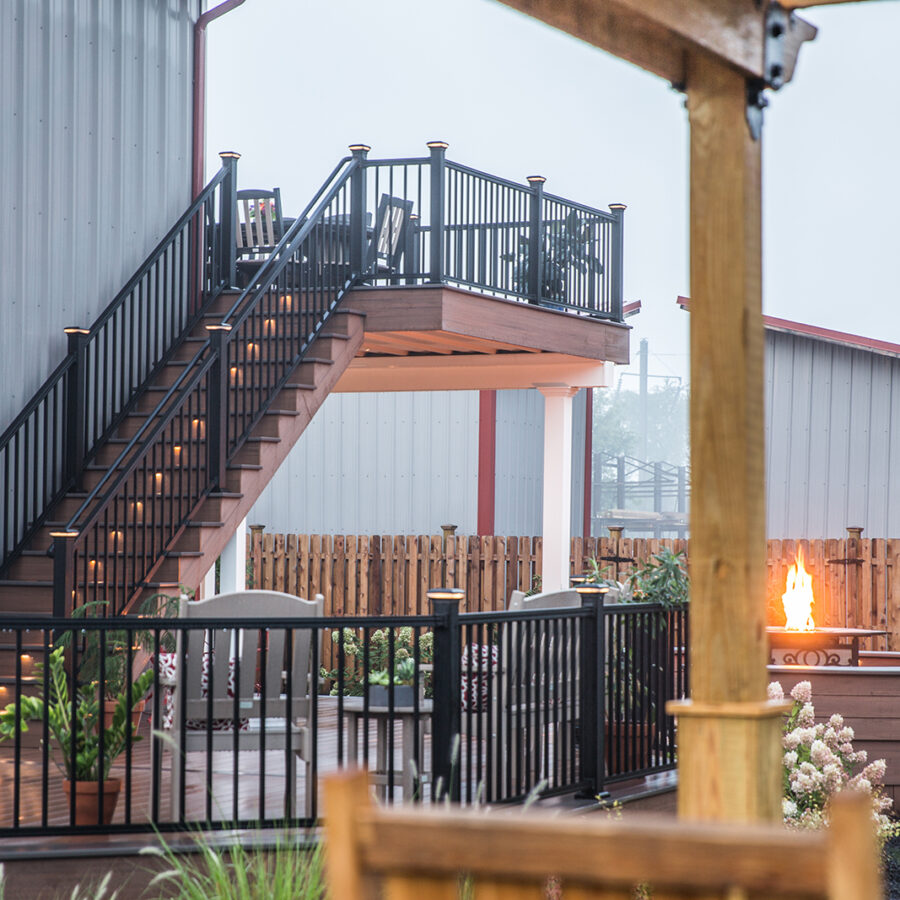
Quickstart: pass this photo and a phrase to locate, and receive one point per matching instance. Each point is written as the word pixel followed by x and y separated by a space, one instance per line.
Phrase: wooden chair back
pixel 238 661
pixel 446 854
pixel 259 222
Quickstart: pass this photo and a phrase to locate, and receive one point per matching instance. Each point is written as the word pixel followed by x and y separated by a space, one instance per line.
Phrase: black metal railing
pixel 43 451
pixel 117 538
pixel 480 707
pixel 456 225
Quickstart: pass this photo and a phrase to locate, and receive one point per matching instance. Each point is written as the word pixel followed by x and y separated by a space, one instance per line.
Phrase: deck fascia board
pixel 482 318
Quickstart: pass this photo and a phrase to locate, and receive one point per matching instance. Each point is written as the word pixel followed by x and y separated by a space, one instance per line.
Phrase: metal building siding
pixel 520 461
pixel 832 420
pixel 386 463
pixel 95 138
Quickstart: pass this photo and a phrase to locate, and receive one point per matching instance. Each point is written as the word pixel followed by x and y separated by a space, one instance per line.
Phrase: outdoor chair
pixel 411 852
pixel 218 698
pixel 259 229
pixel 389 240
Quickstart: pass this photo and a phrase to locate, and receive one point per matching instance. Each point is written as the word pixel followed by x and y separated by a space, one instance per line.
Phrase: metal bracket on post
pixel 783 34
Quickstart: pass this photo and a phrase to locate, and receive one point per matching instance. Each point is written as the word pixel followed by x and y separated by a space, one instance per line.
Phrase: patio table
pixel 406 715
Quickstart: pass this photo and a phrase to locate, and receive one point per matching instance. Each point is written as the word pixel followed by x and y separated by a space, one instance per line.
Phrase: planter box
pixel 378 695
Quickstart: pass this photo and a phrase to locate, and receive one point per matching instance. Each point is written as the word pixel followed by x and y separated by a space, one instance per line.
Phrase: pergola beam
pixel 660 35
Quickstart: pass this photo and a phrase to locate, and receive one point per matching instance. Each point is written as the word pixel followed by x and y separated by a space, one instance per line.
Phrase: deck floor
pixel 222 803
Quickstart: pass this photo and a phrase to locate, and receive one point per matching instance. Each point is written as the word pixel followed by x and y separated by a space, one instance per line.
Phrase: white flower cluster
pixel 819 760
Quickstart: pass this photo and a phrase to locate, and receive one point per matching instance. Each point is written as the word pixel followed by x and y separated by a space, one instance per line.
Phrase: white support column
pixel 233 567
pixel 208 588
pixel 557 511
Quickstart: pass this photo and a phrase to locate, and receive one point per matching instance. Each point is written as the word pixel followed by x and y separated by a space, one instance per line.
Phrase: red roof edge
pixel 825 334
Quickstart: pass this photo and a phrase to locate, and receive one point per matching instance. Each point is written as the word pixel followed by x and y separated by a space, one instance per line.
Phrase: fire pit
pixel 799 642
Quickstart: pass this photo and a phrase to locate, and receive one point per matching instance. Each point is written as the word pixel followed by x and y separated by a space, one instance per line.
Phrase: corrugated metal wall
pixel 832 421
pixel 520 461
pixel 95 136
pixel 386 463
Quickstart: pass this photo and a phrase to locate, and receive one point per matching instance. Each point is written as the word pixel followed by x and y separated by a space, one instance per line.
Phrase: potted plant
pixel 404 676
pixel 73 723
pixel 566 246
pixel 111 645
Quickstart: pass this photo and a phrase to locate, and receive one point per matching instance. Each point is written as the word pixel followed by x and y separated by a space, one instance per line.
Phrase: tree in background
pixel 618 423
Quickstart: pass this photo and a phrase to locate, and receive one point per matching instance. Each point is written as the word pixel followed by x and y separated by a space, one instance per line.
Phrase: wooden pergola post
pixel 722 53
pixel 729 751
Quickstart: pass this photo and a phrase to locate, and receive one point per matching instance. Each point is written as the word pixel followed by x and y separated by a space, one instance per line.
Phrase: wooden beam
pixel 729 764
pixel 660 35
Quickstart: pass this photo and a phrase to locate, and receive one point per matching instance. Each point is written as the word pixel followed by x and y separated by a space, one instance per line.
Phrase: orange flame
pixel 797 598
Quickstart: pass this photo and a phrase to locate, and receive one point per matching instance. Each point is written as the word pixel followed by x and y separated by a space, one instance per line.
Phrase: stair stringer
pixel 219 515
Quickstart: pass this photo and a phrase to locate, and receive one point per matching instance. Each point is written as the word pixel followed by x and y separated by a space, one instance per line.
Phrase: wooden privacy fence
pixel 855 580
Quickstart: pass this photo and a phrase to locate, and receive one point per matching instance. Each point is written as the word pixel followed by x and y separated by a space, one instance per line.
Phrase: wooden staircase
pixel 28 585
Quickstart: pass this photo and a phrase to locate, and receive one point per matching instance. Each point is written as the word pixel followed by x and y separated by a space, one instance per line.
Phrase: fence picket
pixel 390 574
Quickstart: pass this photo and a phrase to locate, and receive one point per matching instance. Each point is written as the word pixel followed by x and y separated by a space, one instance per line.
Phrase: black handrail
pixel 186 441
pixel 44 449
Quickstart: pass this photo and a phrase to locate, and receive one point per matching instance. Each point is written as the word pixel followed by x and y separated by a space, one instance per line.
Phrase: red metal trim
pixel 487 460
pixel 588 462
pixel 826 334
pixel 199 104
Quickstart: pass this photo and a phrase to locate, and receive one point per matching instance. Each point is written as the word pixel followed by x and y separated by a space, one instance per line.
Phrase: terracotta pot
pixel 87 798
pixel 109 710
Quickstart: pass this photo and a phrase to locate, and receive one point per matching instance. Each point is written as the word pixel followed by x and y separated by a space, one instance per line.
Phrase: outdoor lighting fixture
pixel 535 179
pixel 446 593
pixel 75 329
pixel 359 148
pixel 617 206
pixel 229 154
pixel 437 145
pixel 591 589
pixel 221 326
pixel 576 580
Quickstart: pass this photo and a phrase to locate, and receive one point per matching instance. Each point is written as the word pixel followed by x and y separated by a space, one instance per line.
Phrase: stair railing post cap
pixel 621 206
pixel 359 148
pixel 64 534
pixel 535 179
pixel 229 154
pixel 437 145
pixel 219 326
pixel 76 329
pixel 445 593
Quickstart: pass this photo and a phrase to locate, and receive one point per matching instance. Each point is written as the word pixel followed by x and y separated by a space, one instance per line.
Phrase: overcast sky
pixel 292 82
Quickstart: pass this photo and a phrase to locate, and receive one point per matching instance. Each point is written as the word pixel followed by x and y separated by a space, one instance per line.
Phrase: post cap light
pixel 437 145
pixel 354 148
pixel 617 206
pixel 64 534
pixel 229 154
pixel 75 329
pixel 535 179
pixel 446 594
pixel 591 589
pixel 576 580
pixel 221 326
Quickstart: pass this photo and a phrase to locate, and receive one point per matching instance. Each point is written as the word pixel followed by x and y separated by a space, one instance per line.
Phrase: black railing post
pixel 535 239
pixel 445 720
pixel 217 407
pixel 438 165
pixel 617 260
pixel 593 688
pixel 228 218
pixel 358 210
pixel 76 404
pixel 63 548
